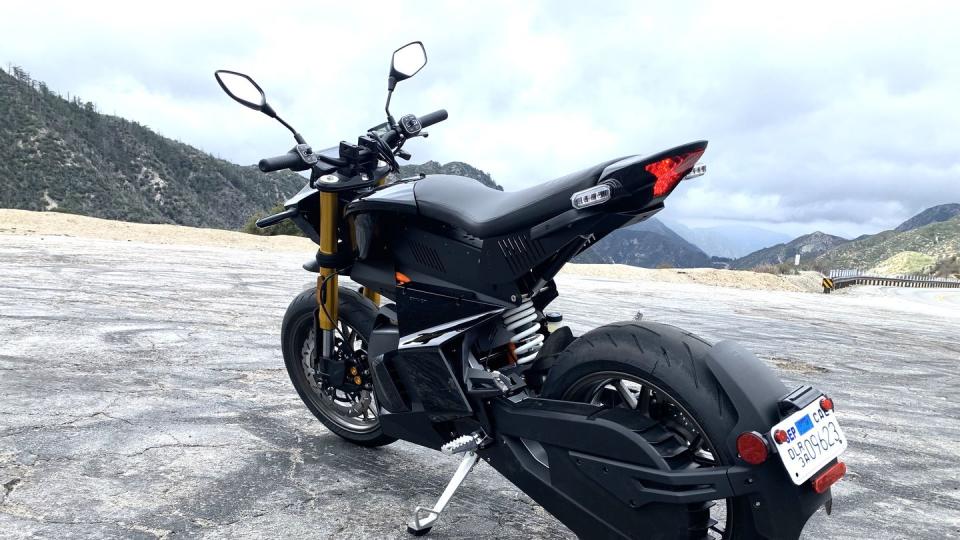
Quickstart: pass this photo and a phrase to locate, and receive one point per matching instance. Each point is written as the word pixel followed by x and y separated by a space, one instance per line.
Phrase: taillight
pixel 752 447
pixel 829 477
pixel 670 170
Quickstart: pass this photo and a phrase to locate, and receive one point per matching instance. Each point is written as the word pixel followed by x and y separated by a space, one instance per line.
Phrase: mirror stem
pixel 390 121
pixel 296 135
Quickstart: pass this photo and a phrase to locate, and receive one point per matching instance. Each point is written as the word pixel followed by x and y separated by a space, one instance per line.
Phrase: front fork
pixel 327 288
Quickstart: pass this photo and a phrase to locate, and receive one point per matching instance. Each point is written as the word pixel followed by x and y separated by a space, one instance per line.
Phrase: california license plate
pixel 814 439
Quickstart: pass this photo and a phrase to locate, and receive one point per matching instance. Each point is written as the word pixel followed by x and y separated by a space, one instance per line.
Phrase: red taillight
pixel 752 448
pixel 670 170
pixel 780 436
pixel 826 404
pixel 829 477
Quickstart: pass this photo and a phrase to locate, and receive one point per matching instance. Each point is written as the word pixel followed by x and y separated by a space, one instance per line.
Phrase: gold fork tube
pixel 327 299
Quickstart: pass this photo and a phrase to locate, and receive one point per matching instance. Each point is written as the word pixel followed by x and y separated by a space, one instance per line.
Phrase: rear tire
pixel 356 313
pixel 663 364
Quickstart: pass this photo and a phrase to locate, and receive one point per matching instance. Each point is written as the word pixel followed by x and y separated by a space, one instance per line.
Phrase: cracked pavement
pixel 143 395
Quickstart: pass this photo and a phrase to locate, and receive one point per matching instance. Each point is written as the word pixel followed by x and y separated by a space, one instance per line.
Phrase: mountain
pixel 649 244
pixel 58 154
pixel 457 168
pixel 728 241
pixel 938 240
pixel 934 214
pixel 809 247
pixel 931 235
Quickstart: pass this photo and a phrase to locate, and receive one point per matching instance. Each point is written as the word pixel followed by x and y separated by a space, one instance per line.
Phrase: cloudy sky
pixel 837 116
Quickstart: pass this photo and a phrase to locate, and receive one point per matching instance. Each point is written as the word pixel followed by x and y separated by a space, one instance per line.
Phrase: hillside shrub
pixel 784 268
pixel 947 267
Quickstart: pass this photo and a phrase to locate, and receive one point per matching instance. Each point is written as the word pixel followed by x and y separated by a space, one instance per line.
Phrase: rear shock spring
pixel 523 321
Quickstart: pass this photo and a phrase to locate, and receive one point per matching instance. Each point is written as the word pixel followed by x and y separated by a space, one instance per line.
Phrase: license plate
pixel 814 438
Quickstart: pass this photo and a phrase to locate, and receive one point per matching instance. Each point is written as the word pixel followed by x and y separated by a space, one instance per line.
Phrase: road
pixel 143 396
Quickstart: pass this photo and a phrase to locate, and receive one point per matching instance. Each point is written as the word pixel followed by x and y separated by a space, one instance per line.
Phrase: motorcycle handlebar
pixel 435 117
pixel 426 120
pixel 290 160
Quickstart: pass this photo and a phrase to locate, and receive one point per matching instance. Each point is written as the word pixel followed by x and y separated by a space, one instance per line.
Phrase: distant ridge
pixel 808 246
pixel 934 214
pixel 649 244
pixel 456 168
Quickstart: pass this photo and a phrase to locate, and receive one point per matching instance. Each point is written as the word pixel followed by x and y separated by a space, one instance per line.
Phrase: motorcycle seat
pixel 485 212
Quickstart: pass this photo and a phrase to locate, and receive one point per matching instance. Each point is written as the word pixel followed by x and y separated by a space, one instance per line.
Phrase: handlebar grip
pixel 435 117
pixel 276 163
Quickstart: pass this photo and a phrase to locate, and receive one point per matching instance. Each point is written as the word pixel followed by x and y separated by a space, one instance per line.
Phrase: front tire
pixel 352 417
pixel 659 371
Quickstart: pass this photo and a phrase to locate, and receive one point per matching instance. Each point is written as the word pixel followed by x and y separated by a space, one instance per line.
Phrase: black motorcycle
pixel 632 430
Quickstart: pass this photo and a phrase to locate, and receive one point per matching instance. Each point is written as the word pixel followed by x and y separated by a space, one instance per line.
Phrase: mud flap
pixel 779 508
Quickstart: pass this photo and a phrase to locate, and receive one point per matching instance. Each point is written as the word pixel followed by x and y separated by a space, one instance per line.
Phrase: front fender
pixel 779 508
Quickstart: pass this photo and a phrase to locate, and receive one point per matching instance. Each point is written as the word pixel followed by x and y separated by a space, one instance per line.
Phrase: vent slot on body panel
pixel 426 256
pixel 520 252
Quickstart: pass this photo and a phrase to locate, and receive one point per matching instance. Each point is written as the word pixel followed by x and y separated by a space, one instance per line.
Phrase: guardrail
pixel 838 279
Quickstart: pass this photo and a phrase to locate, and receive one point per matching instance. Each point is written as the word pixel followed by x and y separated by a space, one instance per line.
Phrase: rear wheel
pixel 351 415
pixel 658 372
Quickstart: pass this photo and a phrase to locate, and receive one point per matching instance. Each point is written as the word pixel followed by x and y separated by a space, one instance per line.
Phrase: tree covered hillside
pixel 63 155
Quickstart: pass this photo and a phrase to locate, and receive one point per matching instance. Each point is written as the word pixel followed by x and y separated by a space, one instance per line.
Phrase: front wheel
pixel 659 372
pixel 353 416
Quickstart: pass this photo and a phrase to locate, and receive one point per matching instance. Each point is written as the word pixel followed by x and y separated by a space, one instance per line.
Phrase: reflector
pixel 829 477
pixel 752 448
pixel 670 170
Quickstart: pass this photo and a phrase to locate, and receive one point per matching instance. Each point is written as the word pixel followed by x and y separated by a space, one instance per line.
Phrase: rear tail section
pixel 639 182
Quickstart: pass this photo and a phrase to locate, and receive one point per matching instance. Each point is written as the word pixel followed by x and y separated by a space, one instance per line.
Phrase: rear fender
pixel 779 508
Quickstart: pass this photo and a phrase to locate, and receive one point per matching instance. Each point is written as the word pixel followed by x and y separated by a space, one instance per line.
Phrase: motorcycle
pixel 634 429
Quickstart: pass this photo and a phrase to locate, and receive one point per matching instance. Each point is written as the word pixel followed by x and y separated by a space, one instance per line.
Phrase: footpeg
pixel 465 443
pixel 423 518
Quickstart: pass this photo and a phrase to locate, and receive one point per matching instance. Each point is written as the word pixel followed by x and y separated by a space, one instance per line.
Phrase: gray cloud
pixel 834 116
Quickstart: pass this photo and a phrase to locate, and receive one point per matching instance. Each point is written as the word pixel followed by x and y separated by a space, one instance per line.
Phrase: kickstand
pixel 419 526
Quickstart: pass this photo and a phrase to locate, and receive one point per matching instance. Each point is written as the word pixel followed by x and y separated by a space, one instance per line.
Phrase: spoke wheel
pixel 625 390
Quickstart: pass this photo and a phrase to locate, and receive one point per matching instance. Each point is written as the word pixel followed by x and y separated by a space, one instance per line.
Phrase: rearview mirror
pixel 407 61
pixel 244 90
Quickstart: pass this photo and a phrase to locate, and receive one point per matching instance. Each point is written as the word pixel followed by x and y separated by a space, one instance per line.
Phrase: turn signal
pixel 598 194
pixel 826 404
pixel 752 448
pixel 829 477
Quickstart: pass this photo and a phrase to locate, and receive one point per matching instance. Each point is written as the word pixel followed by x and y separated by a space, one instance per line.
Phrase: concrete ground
pixel 142 394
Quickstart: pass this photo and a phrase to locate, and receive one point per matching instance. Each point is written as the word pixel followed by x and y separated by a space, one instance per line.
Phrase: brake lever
pixel 402 154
